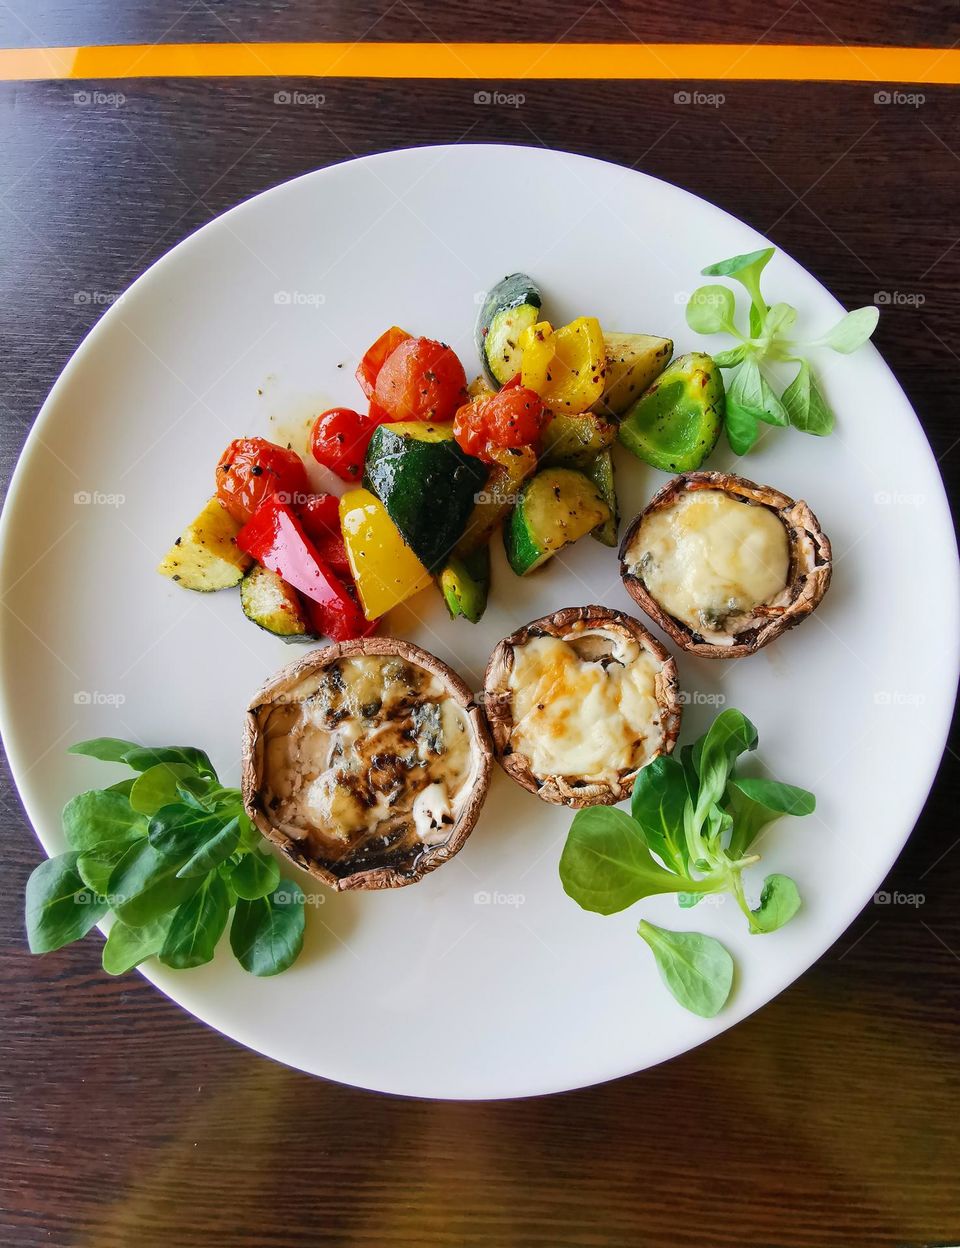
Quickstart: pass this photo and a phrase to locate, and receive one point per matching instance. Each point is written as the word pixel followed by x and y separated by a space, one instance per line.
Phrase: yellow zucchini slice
pixel 205 556
pixel 633 361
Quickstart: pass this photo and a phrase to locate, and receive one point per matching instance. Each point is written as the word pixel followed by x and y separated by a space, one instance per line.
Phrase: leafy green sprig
pixel 692 826
pixel 750 395
pixel 171 852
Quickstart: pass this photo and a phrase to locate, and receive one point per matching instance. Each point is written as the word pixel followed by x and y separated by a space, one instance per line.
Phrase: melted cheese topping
pixel 710 560
pixel 368 759
pixel 584 718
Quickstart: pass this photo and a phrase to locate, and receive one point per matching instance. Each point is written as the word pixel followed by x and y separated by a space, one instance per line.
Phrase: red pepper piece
pixel 275 538
pixel 319 516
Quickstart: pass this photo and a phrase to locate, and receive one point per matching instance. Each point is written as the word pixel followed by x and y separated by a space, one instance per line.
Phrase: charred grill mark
pixel 375 765
pixel 387 773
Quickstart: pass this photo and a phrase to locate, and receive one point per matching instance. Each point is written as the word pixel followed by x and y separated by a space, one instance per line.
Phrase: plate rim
pixel 922 787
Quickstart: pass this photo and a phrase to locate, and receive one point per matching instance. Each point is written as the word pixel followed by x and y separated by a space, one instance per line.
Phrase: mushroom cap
pixel 283 687
pixel 498 704
pixel 811 566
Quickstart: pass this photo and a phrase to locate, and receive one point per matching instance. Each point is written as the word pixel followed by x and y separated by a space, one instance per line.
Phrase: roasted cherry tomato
pixel 339 441
pixel 252 470
pixel 372 362
pixel 513 417
pixel 319 517
pixel 421 380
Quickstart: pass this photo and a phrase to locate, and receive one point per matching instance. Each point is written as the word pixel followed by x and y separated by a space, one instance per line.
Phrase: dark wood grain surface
pixel 829 1118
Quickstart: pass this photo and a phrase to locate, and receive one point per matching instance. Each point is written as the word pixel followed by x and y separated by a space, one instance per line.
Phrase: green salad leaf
pixel 659 797
pixel 107 749
pixel 255 875
pixel 266 935
pixel 852 331
pixel 144 883
pixel 786 799
pixel 97 864
pixel 126 947
pixel 696 969
pixel 158 786
pixel 752 397
pixel 170 852
pixel 730 735
pixel 99 815
pixel 60 906
pixel 711 310
pixel 605 866
pixel 690 830
pixel 806 407
pixel 197 926
pixel 779 902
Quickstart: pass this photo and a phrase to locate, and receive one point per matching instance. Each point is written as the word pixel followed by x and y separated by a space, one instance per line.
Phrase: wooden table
pixel 831 1117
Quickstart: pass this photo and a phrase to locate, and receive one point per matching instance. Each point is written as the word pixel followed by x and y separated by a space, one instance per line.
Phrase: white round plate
pixel 484 980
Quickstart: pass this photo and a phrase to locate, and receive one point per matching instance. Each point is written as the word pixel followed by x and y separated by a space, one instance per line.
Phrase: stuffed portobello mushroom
pixel 578 702
pixel 723 565
pixel 366 762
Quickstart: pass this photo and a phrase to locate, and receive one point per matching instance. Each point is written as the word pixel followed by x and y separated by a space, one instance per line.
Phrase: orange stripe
pixel 481 61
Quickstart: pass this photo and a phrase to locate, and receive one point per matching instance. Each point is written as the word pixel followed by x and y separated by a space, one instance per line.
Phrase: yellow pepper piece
pixel 534 333
pixel 566 366
pixel 536 343
pixel 384 567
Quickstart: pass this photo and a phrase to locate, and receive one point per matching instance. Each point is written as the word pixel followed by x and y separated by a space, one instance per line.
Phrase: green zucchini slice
pixel 465 583
pixel 427 484
pixel 576 441
pixel 512 466
pixel 273 605
pixel 676 422
pixel 600 473
pixel 558 506
pixel 509 308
